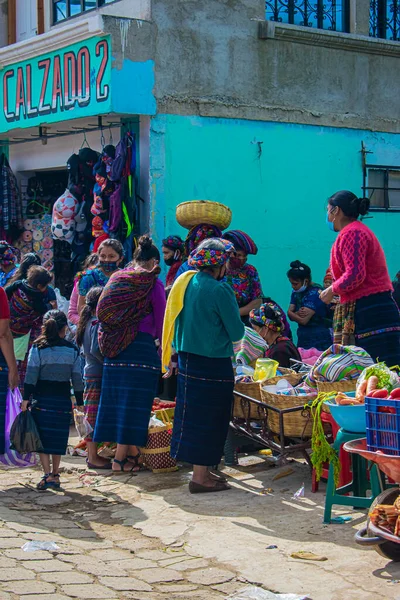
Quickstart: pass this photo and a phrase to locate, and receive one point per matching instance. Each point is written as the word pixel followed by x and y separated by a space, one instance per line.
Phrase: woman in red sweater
pixel 367 312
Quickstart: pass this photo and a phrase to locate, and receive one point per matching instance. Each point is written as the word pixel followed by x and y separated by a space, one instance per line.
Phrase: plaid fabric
pixel 91 399
pixel 343 324
pixel 129 385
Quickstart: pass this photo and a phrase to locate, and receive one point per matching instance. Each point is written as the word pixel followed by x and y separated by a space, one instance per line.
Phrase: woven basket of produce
pixel 244 409
pixel 288 374
pixel 295 424
pixel 197 212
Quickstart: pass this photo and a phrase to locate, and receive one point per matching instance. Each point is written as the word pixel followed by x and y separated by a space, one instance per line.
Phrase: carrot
pixel 362 388
pixel 372 384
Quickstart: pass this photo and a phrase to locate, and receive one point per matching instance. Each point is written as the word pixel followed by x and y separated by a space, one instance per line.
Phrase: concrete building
pixel 269 107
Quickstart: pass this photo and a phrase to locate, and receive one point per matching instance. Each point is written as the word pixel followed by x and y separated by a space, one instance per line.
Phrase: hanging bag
pixel 12 458
pixel 24 436
pixel 156 454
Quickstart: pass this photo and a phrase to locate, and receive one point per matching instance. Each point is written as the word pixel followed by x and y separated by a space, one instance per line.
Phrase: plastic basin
pixel 350 418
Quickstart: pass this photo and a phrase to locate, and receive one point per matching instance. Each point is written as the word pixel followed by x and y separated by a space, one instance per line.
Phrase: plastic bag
pixel 386 378
pixel 36 546
pixel 82 425
pixel 154 422
pixel 257 593
pixel 24 436
pixel 62 303
pixel 12 458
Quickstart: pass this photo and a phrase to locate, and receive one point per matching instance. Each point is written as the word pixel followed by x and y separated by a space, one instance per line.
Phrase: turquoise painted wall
pixel 277 195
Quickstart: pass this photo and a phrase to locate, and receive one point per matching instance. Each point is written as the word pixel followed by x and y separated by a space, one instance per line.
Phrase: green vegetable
pixel 384 375
pixel 322 451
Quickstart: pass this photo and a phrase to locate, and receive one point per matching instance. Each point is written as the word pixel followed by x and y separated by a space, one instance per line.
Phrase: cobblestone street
pixel 101 555
pixel 145 537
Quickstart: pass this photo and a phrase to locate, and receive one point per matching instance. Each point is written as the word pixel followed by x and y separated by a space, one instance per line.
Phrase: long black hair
pixel 351 206
pixel 91 300
pixel 54 321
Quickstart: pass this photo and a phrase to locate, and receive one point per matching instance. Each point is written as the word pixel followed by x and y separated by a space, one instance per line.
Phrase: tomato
pixel 379 394
pixel 395 394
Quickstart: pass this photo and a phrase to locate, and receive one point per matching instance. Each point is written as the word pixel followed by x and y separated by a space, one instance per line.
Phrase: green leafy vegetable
pixel 322 451
pixel 386 378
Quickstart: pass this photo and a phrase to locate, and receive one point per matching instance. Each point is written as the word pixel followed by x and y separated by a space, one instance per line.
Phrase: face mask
pixel 301 290
pixel 169 261
pixel 109 267
pixel 330 224
pixel 236 263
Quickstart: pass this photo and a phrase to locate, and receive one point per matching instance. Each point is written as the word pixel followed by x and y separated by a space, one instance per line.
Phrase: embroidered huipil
pixel 245 283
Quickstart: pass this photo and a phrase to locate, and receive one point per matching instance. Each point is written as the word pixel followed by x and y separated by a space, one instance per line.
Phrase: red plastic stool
pixel 345 476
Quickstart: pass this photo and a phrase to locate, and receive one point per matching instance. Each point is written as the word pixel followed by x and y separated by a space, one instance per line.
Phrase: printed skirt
pixel 91 399
pixel 3 399
pixel 377 327
pixel 130 382
pixel 203 410
pixel 52 415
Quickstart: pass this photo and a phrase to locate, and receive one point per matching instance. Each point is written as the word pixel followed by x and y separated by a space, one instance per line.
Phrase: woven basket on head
pixel 296 424
pixel 197 212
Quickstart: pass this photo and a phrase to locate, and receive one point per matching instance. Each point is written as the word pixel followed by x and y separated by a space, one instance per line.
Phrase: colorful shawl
pixel 122 306
pixel 27 307
pixel 174 307
pixel 250 347
pixel 338 363
pixel 241 241
pixel 198 233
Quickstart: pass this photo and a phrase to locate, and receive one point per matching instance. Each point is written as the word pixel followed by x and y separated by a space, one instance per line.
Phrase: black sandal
pixel 122 464
pixel 44 484
pixel 56 484
pixel 135 460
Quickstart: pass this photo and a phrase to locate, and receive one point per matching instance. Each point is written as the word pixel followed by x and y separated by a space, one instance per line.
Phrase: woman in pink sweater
pixel 367 311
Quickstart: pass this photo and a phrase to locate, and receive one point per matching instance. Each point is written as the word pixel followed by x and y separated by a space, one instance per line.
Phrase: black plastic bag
pixel 24 436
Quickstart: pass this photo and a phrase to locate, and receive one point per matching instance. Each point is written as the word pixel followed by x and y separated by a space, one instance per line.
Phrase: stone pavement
pixel 145 537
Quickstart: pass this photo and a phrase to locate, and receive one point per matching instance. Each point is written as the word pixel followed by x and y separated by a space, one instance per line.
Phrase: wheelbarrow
pixel 385 543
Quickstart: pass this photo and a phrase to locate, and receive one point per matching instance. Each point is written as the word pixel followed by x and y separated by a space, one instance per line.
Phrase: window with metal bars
pixel 333 15
pixel 64 9
pixel 384 19
pixel 382 187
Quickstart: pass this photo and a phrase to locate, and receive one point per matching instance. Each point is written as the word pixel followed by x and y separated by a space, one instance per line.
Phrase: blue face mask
pixel 301 290
pixel 330 223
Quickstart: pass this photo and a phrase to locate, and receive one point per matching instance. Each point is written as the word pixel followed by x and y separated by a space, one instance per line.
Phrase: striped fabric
pixel 91 399
pixel 130 383
pixel 3 396
pixel 377 327
pixel 338 363
pixel 250 347
pixel 122 306
pixel 203 410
